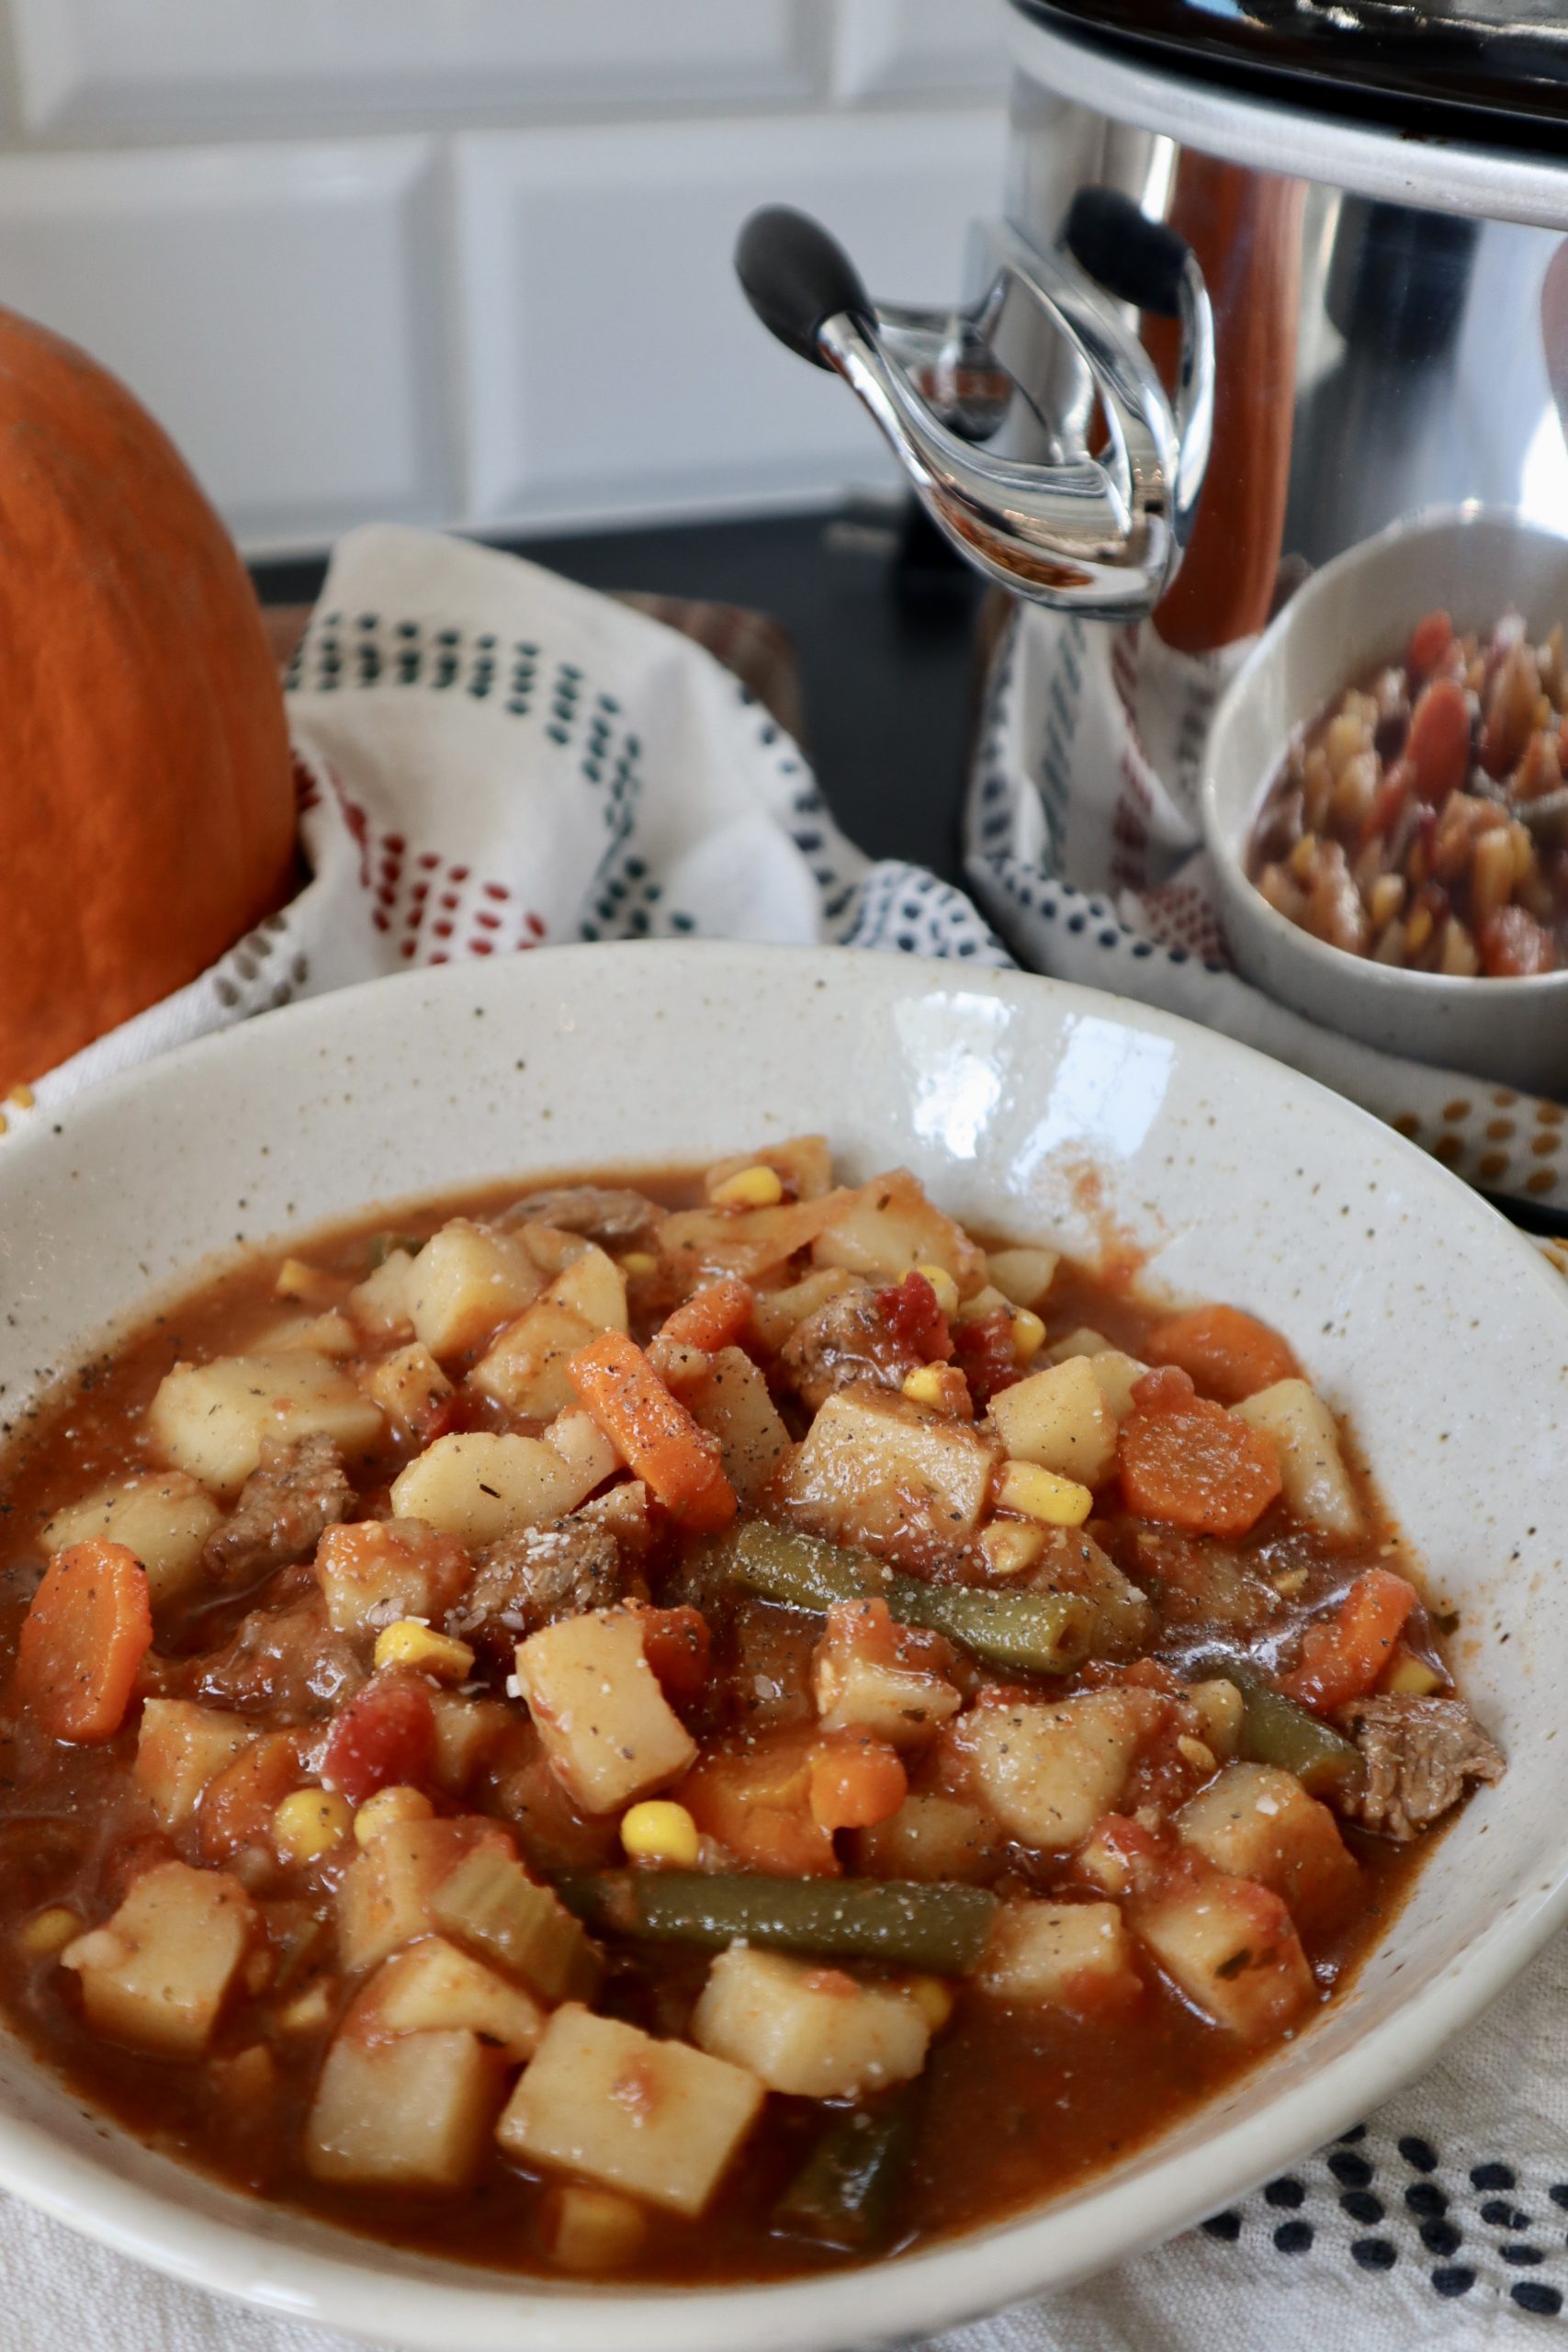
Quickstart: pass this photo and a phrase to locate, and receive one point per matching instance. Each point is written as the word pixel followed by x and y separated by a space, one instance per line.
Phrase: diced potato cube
pixel 607 1727
pixel 328 1335
pixel 180 1747
pixel 1059 1418
pixel 526 1369
pixel 1118 1375
pixel 805 1162
pixel 432 1987
pixel 312 1285
pixel 715 1241
pixel 1231 1948
pixel 1220 1708
pixel 213 1419
pixel 888 1227
pixel 1256 1821
pixel 376 1570
pixel 930 1837
pixel 380 1304
pixel 162 1516
pixel 776 1313
pixel 730 1400
pixel 480 1486
pixel 804 2027
pixel 409 1385
pixel 591 1285
pixel 900 1705
pixel 1085 1341
pixel 493 1908
pixel 583 1447
pixel 467 1281
pixel 868 1454
pixel 156 1974
pixel 1317 1483
pixel 411 2112
pixel 1023 1274
pixel 659 2119
pixel 385 1895
pixel 466 1732
pixel 1048 1772
pixel 1075 1956
pixel 591 2229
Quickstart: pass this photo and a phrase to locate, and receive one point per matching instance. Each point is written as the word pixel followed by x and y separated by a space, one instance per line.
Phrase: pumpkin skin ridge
pixel 147 814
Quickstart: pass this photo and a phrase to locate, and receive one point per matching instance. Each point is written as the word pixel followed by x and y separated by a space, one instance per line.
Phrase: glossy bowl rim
pixel 952 2281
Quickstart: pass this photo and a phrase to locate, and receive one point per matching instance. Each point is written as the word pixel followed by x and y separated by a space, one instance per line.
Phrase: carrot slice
pixel 755 1799
pixel 713 1318
pixel 1186 1460
pixel 87 1629
pixel 653 1431
pixel 1342 1659
pixel 1229 1353
pixel 856 1782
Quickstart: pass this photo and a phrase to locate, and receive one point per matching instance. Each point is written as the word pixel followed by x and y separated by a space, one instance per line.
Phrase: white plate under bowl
pixel 1025 1104
pixel 1352 617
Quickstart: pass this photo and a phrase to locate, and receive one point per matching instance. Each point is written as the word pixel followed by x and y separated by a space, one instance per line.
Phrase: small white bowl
pixel 1357 612
pixel 1027 1106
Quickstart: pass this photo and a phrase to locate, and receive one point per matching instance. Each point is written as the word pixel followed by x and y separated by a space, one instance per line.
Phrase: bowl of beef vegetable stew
pixel 1385 800
pixel 785 1705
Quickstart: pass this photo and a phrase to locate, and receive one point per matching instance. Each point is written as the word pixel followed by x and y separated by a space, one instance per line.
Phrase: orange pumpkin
pixel 146 800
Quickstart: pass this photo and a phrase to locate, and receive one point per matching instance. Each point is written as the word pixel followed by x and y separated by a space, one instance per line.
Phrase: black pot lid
pixel 1495 71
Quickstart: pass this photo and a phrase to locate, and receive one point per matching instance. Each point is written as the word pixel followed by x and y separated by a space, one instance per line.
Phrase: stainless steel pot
pixel 1359 306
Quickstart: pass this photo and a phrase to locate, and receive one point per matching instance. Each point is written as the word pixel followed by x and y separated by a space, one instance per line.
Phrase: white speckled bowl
pixel 1357 612
pixel 1242 1180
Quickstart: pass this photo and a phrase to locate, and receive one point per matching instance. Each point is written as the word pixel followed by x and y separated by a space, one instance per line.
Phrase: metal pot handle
pixel 1097 534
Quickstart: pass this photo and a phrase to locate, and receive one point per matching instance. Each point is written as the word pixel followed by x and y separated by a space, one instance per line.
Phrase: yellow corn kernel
pixel 379 1813
pixel 749 1188
pixel 309 1823
pixel 932 1998
pixel 49 1930
pixel 1419 930
pixel 22 1095
pixel 408 1643
pixel 1412 1678
pixel 637 1264
pixel 659 1831
pixel 925 1384
pixel 1011 1549
pixel 946 1289
pixel 1028 1334
pixel 1040 1494
pixel 1198 1753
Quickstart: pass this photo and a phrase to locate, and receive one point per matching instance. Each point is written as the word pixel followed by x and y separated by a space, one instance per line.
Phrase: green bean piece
pixel 939 1927
pixel 1274 1730
pixel 1040 1633
pixel 846 2193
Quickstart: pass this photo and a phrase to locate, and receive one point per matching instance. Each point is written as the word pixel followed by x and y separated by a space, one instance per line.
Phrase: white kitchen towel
pixel 1082 844
pixel 490 759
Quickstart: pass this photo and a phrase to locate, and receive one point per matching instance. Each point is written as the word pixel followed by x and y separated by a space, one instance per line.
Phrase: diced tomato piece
pixel 1189 1462
pixel 986 1356
pixel 856 1782
pixel 1342 1660
pixel 915 1320
pixel 384 1737
pixel 1430 641
pixel 678 1645
pixel 1228 1354
pixel 1437 749
pixel 1513 945
pixel 87 1629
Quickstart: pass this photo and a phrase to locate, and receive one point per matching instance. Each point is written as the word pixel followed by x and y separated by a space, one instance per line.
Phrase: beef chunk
pixel 284 1507
pixel 287 1662
pixel 604 1212
pixel 1420 1754
pixel 848 1338
pixel 533 1578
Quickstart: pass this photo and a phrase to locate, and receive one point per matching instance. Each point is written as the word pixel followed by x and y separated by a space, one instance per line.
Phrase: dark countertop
pixel 883 623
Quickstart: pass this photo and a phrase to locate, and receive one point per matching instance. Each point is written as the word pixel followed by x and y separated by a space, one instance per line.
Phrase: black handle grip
pixel 796 277
pixel 1138 260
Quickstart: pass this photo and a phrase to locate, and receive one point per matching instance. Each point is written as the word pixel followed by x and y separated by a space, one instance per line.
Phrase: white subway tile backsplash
pixel 932 49
pixel 612 367
pixel 273 306
pixel 159 67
